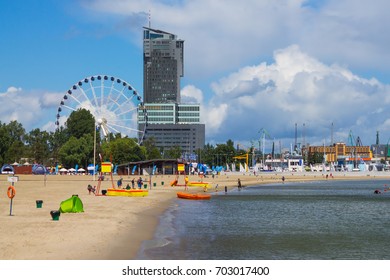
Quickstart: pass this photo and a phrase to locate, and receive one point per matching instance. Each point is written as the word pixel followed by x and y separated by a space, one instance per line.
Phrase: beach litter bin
pixel 162 183
pixel 55 214
pixel 39 203
pixel 154 184
pixel 104 192
pixel 145 186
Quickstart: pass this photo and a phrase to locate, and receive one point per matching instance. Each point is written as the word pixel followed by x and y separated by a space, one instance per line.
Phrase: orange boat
pixel 193 195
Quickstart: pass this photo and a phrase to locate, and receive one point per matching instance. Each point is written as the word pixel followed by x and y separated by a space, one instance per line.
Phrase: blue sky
pixel 257 64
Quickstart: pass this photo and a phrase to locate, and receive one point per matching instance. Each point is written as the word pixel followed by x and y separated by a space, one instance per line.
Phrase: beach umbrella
pixel 81 170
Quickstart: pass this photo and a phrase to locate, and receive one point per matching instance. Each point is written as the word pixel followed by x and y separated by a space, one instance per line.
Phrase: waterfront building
pixel 343 156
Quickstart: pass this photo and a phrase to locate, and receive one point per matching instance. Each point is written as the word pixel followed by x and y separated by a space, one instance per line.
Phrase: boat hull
pixel 193 196
pixel 120 192
pixel 198 184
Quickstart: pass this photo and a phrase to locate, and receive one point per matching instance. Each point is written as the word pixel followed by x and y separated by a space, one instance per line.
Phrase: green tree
pixel 11 142
pixel 76 151
pixel 207 154
pixel 123 150
pixel 38 145
pixel 56 140
pixel 174 152
pixel 79 123
pixel 15 152
pixel 223 153
pixel 315 158
pixel 16 131
pixel 152 152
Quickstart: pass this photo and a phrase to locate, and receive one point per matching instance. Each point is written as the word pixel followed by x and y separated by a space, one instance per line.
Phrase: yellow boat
pixel 131 192
pixel 199 184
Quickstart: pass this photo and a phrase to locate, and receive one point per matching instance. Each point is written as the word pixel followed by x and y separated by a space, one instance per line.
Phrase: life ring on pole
pixel 11 192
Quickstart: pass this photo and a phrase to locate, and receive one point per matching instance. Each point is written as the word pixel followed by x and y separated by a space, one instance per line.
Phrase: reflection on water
pixel 319 220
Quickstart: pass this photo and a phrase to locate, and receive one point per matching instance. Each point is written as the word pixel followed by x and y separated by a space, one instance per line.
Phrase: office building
pixel 163 66
pixel 170 122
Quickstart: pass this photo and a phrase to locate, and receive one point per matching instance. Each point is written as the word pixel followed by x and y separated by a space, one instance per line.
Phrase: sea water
pixel 294 221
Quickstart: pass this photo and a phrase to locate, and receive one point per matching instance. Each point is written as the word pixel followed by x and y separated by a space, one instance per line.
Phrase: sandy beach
pixel 110 228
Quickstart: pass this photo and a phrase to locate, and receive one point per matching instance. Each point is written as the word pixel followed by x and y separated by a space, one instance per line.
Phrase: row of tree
pixel 74 144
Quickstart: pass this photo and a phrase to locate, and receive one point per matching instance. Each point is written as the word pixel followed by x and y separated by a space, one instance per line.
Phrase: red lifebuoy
pixel 11 192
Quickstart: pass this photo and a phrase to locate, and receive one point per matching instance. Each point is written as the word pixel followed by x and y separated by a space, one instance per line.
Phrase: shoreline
pixel 110 228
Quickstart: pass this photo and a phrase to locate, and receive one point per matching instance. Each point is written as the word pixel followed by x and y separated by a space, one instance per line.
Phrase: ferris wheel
pixel 113 102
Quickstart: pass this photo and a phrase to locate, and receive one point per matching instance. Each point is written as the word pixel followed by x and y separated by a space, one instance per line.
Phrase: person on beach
pixel 132 184
pixel 119 183
pixel 139 182
pixel 91 189
pixel 239 184
pixel 283 179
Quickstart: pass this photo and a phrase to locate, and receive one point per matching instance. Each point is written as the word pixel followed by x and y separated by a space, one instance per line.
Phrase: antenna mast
pixel 296 136
pixel 149 19
pixel 331 135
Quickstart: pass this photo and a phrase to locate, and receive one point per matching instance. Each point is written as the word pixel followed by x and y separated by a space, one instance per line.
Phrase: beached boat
pixel 191 184
pixel 131 192
pixel 199 184
pixel 196 196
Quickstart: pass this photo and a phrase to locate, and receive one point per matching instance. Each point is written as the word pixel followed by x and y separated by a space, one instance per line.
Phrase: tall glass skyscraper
pixel 170 122
pixel 163 66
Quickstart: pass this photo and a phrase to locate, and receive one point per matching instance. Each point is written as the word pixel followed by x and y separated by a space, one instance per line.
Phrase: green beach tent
pixel 72 205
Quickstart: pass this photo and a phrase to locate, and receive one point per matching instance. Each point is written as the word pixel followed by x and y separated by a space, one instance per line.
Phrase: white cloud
pixel 191 94
pixel 311 78
pixel 30 108
pixel 224 35
pixel 296 88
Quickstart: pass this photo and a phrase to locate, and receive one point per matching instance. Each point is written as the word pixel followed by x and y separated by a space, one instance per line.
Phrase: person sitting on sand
pixel 91 189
